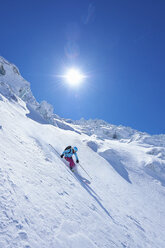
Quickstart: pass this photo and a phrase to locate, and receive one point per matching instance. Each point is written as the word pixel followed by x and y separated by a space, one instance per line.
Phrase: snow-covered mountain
pixel 118 203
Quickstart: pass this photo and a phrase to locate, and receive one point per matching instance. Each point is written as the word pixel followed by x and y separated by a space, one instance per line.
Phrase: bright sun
pixel 74 76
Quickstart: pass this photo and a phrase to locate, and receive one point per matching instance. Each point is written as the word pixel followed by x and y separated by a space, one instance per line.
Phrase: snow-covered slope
pixel 43 204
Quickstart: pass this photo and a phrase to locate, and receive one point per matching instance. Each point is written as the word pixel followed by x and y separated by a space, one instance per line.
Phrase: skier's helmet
pixel 75 149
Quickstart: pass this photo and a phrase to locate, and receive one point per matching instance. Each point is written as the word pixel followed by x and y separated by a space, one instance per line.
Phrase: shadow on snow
pixel 85 184
pixel 114 160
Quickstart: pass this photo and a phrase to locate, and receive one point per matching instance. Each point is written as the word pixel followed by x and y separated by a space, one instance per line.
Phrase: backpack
pixel 68 148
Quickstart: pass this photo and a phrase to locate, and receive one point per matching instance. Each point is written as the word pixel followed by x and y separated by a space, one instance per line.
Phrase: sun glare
pixel 74 77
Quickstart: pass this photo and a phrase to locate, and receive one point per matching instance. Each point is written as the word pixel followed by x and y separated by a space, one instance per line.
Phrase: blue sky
pixel 119 44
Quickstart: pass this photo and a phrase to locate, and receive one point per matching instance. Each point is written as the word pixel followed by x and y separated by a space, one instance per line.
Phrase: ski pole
pixel 85 171
pixel 54 149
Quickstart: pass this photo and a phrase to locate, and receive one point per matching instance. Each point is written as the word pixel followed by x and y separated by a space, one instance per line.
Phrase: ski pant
pixel 71 162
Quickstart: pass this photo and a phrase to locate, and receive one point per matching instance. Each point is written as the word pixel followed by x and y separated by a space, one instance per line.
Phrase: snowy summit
pixel 116 197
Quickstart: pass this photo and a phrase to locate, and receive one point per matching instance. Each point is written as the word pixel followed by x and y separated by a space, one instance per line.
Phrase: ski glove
pixel 62 155
pixel 77 161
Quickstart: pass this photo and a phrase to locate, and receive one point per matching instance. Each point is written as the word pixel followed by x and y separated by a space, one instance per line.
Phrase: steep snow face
pixel 119 202
pixel 43 204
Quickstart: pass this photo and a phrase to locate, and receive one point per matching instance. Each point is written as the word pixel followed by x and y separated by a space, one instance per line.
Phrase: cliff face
pixel 10 77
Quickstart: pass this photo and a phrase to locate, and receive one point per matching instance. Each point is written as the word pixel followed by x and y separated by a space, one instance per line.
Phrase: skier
pixel 68 153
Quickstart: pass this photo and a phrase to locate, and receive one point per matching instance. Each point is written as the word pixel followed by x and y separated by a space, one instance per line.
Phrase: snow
pixel 43 204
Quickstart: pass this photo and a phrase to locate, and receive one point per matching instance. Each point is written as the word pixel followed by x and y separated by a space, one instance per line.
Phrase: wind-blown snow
pixel 43 204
